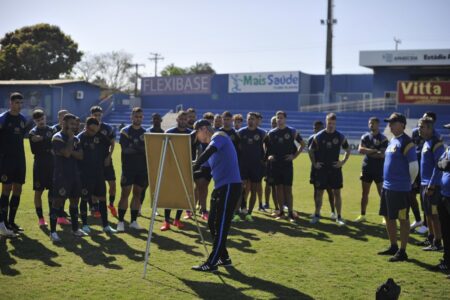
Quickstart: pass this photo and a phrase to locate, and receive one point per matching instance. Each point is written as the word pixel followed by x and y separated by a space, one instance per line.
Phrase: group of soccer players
pixel 76 165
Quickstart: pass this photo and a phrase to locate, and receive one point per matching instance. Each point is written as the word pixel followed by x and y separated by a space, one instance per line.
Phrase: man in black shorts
pixel 12 160
pixel 40 138
pixel 372 145
pixel 66 177
pixel 318 126
pixel 326 149
pixel 281 152
pixel 134 168
pixel 92 172
pixel 108 144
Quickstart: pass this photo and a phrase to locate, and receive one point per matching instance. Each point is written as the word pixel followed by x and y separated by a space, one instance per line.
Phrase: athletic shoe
pixel 266 206
pixel 261 208
pixel 244 211
pixel 399 256
pixel 426 242
pixel 236 219
pixel 205 216
pixel 135 225
pixel 109 229
pixel 292 219
pixel 392 250
pixel 442 266
pixel 280 216
pixel 285 208
pixel 340 222
pixel 4 231
pixel 433 248
pixel 206 267
pixel 54 237
pixel 14 227
pixel 361 219
pixel 86 229
pixel 188 215
pixel 315 220
pixel 42 222
pixel 79 233
pixel 166 226
pixel 224 262
pixel 120 227
pixel 178 224
pixel 333 216
pixel 97 214
pixel 416 224
pixel 249 218
pixel 422 229
pixel 275 213
pixel 113 210
pixel 63 221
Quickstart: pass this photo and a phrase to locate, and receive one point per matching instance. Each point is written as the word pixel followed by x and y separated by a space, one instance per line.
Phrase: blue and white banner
pixel 269 82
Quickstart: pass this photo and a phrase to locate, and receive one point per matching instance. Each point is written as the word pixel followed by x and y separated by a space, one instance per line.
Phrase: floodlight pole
pixel 329 22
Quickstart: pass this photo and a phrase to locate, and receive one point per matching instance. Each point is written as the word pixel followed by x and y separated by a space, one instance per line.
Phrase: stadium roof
pixel 42 82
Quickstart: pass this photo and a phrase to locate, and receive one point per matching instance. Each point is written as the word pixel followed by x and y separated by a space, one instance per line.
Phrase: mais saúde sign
pixel 423 92
pixel 269 82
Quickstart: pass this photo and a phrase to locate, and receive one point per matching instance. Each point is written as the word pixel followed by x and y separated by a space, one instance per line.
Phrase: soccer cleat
pixel 360 219
pixel 399 256
pixel 188 215
pixel 280 216
pixel 333 215
pixel 340 222
pixel 79 233
pixel 416 224
pixel 16 228
pixel 97 214
pixel 42 222
pixel 54 237
pixel 442 266
pixel 4 231
pixel 63 221
pixel 422 229
pixel 109 229
pixel 249 218
pixel 178 224
pixel 433 248
pixel 166 226
pixel 315 220
pixel 86 229
pixel 261 208
pixel 266 206
pixel 120 227
pixel 205 215
pixel 206 267
pixel 224 262
pixel 113 210
pixel 275 213
pixel 236 219
pixel 426 242
pixel 389 251
pixel 135 225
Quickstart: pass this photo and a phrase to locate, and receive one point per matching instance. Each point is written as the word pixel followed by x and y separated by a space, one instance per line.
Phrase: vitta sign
pixel 277 82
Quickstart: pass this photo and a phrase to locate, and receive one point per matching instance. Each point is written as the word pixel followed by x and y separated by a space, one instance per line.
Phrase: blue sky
pixel 239 36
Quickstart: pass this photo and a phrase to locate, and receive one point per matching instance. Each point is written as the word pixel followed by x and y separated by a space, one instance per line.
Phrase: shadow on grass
pixel 6 261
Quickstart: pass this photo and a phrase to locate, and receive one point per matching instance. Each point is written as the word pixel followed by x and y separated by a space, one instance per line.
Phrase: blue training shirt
pixel 399 153
pixel 432 150
pixel 445 180
pixel 224 163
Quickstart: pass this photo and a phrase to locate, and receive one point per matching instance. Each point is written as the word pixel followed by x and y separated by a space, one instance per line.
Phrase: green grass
pixel 272 259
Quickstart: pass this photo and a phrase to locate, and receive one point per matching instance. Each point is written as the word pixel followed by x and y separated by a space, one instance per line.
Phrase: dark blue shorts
pixel 42 174
pixel 130 177
pixel 325 178
pixel 109 173
pixel 12 170
pixel 370 174
pixel 254 172
pixel 394 204
pixel 66 186
pixel 93 186
pixel 283 174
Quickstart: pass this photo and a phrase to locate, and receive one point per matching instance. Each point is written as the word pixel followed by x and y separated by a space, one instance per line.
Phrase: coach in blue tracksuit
pixel 222 158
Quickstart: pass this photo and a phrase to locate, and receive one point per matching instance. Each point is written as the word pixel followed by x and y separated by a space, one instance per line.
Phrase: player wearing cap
pixel 12 163
pixel 326 149
pixel 134 168
pixel 399 172
pixel 318 126
pixel 181 128
pixel 281 152
pixel 372 145
pixel 40 138
pixel 222 158
pixel 430 180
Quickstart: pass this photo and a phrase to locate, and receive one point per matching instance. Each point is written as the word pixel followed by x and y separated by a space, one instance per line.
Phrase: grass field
pixel 273 259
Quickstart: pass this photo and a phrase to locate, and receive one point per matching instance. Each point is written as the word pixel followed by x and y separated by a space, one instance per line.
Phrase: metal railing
pixel 356 105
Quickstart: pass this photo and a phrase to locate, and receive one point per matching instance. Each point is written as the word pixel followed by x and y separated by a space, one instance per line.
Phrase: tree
pixel 198 68
pixel 111 70
pixel 41 51
pixel 172 70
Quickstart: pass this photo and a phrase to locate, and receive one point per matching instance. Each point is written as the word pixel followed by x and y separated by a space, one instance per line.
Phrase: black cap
pixel 202 123
pixel 447 126
pixel 156 115
pixel 396 117
pixel 15 96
